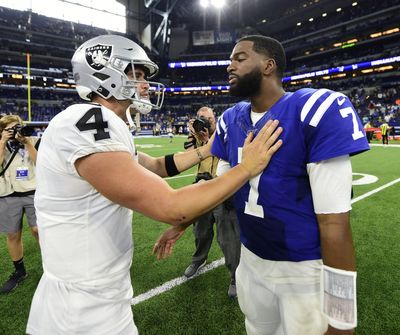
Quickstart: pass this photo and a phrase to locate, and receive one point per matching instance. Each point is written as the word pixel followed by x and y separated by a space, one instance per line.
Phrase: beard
pixel 247 85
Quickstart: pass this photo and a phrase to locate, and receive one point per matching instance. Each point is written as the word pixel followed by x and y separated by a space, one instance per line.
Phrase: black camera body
pixel 25 131
pixel 203 176
pixel 201 124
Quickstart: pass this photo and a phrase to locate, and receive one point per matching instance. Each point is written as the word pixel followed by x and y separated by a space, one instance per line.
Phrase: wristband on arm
pixel 170 166
pixel 339 297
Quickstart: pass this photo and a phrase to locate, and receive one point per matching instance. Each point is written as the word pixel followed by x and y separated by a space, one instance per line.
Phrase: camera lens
pixel 26 131
pixel 199 125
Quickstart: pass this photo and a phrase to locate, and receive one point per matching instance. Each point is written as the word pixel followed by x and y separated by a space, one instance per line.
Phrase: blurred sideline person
pixel 223 215
pixel 385 129
pixel 17 189
pixel 368 131
pixel 170 134
pixel 294 217
pixel 90 177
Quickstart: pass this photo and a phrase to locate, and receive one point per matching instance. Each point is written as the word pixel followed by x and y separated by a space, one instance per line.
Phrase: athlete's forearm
pixel 336 241
pixel 185 160
pixel 337 255
pixel 194 200
pixel 181 160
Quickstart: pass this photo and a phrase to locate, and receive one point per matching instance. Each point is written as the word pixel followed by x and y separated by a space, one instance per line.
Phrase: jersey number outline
pixel 99 124
pixel 251 205
pixel 345 112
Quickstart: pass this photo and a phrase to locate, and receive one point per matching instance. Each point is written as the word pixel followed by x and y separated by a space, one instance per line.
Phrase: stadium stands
pixel 348 36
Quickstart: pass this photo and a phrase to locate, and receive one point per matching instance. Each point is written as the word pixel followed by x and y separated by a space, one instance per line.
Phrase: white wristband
pixel 339 297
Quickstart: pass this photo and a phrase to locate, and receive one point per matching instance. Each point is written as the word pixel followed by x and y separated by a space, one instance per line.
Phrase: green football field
pixel 167 304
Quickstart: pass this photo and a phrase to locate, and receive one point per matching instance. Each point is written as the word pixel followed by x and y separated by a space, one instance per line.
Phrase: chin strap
pixel 131 124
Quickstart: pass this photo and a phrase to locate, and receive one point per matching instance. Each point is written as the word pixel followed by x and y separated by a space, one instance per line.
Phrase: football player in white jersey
pixel 90 177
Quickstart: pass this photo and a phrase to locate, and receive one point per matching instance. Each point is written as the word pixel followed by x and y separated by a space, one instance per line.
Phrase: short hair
pixel 269 47
pixel 203 108
pixel 7 119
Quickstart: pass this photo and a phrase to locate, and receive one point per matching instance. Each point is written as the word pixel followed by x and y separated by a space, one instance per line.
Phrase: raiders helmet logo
pixel 97 55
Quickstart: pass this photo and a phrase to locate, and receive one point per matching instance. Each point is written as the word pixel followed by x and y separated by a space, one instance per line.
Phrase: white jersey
pixel 84 237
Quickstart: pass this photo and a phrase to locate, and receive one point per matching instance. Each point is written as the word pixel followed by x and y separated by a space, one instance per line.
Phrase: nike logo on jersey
pixel 341 101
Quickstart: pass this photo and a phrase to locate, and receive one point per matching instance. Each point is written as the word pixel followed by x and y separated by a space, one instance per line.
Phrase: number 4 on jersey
pixel 98 124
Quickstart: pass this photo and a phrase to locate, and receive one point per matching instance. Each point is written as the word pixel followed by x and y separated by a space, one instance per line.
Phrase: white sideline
pixel 386 145
pixel 365 195
pixel 180 280
pixel 175 282
pixel 180 176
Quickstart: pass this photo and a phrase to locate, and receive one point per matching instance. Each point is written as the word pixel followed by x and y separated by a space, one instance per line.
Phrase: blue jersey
pixel 275 209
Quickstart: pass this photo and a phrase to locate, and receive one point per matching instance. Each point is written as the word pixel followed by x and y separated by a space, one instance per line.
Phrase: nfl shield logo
pixel 97 55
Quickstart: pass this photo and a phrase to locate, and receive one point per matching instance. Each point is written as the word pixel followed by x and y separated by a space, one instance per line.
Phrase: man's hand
pixel 202 136
pixel 257 152
pixel 22 139
pixel 165 243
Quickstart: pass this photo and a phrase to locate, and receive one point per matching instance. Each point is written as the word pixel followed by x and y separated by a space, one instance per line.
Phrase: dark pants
pixel 385 139
pixel 228 236
pixel 370 134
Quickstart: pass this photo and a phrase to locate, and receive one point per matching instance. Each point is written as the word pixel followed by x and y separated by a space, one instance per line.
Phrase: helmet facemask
pixel 142 99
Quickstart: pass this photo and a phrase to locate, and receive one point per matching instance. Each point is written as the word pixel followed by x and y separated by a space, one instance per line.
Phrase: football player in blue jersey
pixel 297 273
pixel 294 216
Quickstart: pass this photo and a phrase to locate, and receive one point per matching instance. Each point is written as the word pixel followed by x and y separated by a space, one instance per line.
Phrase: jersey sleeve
pixel 331 182
pixel 219 147
pixel 88 131
pixel 332 127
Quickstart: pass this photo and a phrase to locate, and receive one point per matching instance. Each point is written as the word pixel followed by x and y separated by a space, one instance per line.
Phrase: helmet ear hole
pixel 101 76
pixel 128 68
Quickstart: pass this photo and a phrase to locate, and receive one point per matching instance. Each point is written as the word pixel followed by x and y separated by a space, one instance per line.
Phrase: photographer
pixel 17 188
pixel 223 216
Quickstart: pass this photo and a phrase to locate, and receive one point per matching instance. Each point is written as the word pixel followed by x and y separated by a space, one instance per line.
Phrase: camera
pixel 201 124
pixel 22 130
pixel 203 176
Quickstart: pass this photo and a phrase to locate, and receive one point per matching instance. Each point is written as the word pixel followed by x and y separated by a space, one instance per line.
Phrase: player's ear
pixel 269 66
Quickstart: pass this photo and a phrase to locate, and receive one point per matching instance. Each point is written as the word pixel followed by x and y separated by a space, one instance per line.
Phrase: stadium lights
pixel 298 23
pixel 311 19
pixel 338 9
pixel 204 3
pixel 324 14
pixel 216 3
pixel 354 4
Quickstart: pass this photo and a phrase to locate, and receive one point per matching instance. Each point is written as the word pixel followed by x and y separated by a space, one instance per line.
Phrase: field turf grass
pixel 201 305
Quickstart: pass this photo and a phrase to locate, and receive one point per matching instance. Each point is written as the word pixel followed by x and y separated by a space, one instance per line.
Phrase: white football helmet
pixel 99 67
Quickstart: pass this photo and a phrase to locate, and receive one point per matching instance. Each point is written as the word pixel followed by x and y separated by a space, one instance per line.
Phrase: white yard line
pixel 175 282
pixel 366 195
pixel 180 280
pixel 180 176
pixel 386 145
